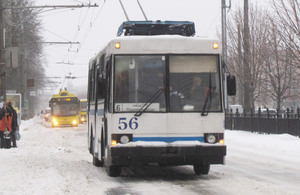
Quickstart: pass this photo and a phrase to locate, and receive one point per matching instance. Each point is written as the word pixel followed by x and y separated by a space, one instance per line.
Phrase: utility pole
pixel 224 29
pixel 2 57
pixel 246 61
pixel 224 43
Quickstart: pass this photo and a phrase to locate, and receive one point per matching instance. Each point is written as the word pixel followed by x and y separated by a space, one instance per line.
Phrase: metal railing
pixel 279 122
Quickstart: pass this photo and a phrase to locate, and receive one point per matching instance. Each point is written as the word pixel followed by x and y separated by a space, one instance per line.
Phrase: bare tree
pixel 278 68
pixel 248 69
pixel 288 21
pixel 23 31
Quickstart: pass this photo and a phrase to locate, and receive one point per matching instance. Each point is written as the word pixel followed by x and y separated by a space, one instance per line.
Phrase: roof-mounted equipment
pixel 132 28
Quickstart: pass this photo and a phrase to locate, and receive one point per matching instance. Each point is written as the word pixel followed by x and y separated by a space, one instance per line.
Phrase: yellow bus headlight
pixel 74 122
pixel 117 45
pixel 221 141
pixel 113 142
pixel 215 45
pixel 53 120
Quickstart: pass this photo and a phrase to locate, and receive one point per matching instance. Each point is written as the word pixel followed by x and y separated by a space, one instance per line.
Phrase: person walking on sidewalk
pixel 5 132
pixel 12 122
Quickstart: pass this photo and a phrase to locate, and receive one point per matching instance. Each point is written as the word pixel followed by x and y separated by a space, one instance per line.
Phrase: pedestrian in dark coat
pixel 14 122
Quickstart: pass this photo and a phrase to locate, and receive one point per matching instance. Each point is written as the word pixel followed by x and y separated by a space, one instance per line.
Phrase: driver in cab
pixel 198 92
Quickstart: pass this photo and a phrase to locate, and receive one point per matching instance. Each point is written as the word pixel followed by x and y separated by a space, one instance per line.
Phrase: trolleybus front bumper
pixel 189 155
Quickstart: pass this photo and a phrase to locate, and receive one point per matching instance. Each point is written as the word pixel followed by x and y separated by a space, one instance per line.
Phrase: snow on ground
pixel 56 161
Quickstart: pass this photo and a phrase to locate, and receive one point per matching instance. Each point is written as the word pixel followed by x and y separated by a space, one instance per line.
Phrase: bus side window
pixel 101 87
pixel 101 80
pixel 91 92
pixel 109 91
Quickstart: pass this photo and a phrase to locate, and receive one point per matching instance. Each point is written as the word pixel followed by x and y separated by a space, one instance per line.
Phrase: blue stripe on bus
pixel 168 139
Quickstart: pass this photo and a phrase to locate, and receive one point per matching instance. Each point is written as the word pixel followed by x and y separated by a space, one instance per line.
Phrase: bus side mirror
pixel 231 85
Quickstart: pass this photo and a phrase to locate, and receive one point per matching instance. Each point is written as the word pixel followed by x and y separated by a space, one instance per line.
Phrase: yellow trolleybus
pixel 64 109
pixel 83 109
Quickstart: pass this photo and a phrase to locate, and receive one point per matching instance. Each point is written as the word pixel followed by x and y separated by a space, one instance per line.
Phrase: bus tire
pixel 90 145
pixel 201 168
pixel 113 171
pixel 97 162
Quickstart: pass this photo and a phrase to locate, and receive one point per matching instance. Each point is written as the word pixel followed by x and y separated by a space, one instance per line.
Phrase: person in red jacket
pixel 12 122
pixel 4 127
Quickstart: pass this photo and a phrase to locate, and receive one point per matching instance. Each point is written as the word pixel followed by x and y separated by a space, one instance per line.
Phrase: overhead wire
pixel 56 35
pixel 78 1
pixel 89 28
pixel 81 23
pixel 33 14
pixel 212 23
pixel 78 28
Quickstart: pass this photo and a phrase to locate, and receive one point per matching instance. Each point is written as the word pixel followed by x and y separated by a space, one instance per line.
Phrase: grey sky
pixel 94 27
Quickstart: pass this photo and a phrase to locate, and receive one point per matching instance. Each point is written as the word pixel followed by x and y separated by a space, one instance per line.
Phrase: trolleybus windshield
pixel 196 78
pixel 83 106
pixel 137 78
pixel 192 81
pixel 65 108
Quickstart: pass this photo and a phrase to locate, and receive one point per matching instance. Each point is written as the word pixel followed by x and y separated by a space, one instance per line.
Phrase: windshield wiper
pixel 210 93
pixel 149 102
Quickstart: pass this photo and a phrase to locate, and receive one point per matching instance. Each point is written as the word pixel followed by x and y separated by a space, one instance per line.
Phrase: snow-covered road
pixel 56 161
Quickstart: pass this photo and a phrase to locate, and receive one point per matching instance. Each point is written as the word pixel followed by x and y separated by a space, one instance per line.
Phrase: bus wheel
pixel 97 162
pixel 113 171
pixel 201 169
pixel 91 146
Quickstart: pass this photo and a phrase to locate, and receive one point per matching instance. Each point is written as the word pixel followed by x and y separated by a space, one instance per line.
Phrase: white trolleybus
pixel 156 95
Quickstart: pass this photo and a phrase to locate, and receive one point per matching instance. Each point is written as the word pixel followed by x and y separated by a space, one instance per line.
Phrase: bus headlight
pixel 124 139
pixel 53 120
pixel 74 122
pixel 211 138
pixel 117 45
pixel 121 138
pixel 221 141
pixel 113 142
pixel 215 45
pixel 55 123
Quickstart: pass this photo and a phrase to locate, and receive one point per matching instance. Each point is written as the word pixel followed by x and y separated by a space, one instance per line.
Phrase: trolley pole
pixel 2 57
